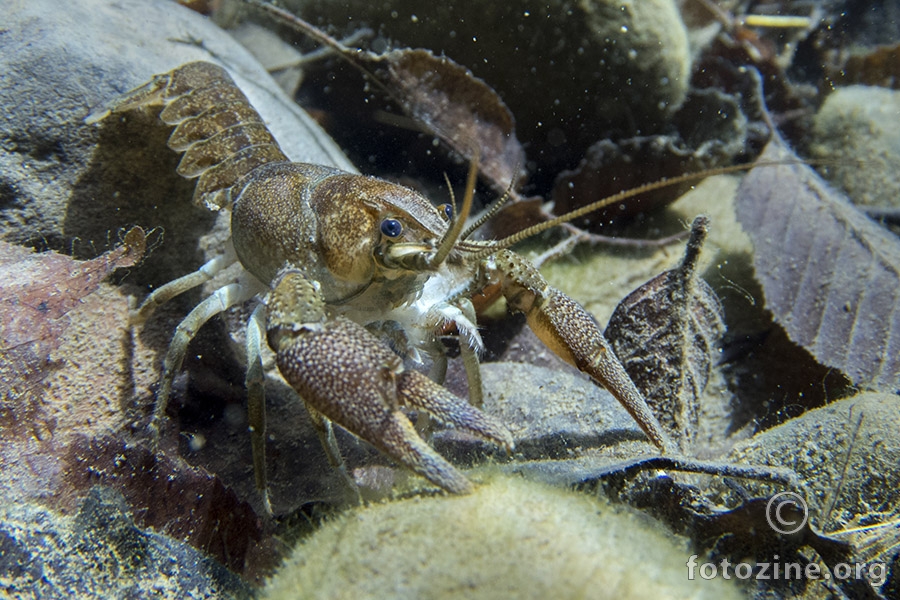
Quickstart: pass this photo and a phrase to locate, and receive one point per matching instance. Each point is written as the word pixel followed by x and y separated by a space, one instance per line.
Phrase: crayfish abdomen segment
pixel 221 134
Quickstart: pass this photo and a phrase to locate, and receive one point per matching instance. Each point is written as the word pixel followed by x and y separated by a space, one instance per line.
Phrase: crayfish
pixel 341 258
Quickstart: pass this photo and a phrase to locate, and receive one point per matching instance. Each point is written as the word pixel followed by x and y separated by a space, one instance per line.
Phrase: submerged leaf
pixel 37 291
pixel 198 507
pixel 456 106
pixel 608 167
pixel 665 333
pixel 446 99
pixel 831 276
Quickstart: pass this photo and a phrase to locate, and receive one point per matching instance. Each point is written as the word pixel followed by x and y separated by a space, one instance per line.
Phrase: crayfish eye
pixel 447 211
pixel 391 227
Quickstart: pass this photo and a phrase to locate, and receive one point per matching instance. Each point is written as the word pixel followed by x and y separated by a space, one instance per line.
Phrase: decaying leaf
pixel 609 167
pixel 446 99
pixel 36 292
pixel 198 507
pixel 458 107
pixel 666 333
pixel 830 275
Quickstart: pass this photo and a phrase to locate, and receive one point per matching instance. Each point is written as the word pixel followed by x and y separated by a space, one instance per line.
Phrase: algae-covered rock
pixel 858 128
pixel 846 454
pixel 510 539
pixel 548 410
pixel 565 427
pixel 100 553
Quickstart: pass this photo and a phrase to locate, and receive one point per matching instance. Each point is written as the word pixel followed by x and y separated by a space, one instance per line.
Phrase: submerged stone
pixel 858 131
pixel 510 539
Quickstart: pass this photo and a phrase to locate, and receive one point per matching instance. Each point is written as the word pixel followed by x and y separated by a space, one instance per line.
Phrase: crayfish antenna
pixel 453 233
pixel 533 230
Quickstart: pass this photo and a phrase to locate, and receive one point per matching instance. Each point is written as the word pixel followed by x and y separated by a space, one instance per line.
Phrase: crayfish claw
pixel 399 440
pixel 345 373
pixel 575 336
pixel 421 393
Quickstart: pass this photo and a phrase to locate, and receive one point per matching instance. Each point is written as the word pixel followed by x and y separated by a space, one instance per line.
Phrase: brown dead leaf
pixel 830 275
pixel 456 106
pixel 169 495
pixel 609 167
pixel 666 334
pixel 37 291
pixel 446 99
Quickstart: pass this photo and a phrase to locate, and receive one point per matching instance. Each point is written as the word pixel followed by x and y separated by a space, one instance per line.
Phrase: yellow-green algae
pixel 512 538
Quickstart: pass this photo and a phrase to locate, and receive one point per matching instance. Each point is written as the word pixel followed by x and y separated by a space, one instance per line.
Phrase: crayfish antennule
pixel 488 214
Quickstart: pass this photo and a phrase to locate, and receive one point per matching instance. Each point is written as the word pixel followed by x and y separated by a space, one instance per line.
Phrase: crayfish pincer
pixel 321 359
pixel 344 262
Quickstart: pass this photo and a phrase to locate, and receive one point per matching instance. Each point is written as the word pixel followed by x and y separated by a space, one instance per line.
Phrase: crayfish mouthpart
pixel 410 256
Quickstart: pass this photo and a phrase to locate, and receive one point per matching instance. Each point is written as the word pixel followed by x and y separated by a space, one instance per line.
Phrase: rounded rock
pixel 510 539
pixel 859 130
